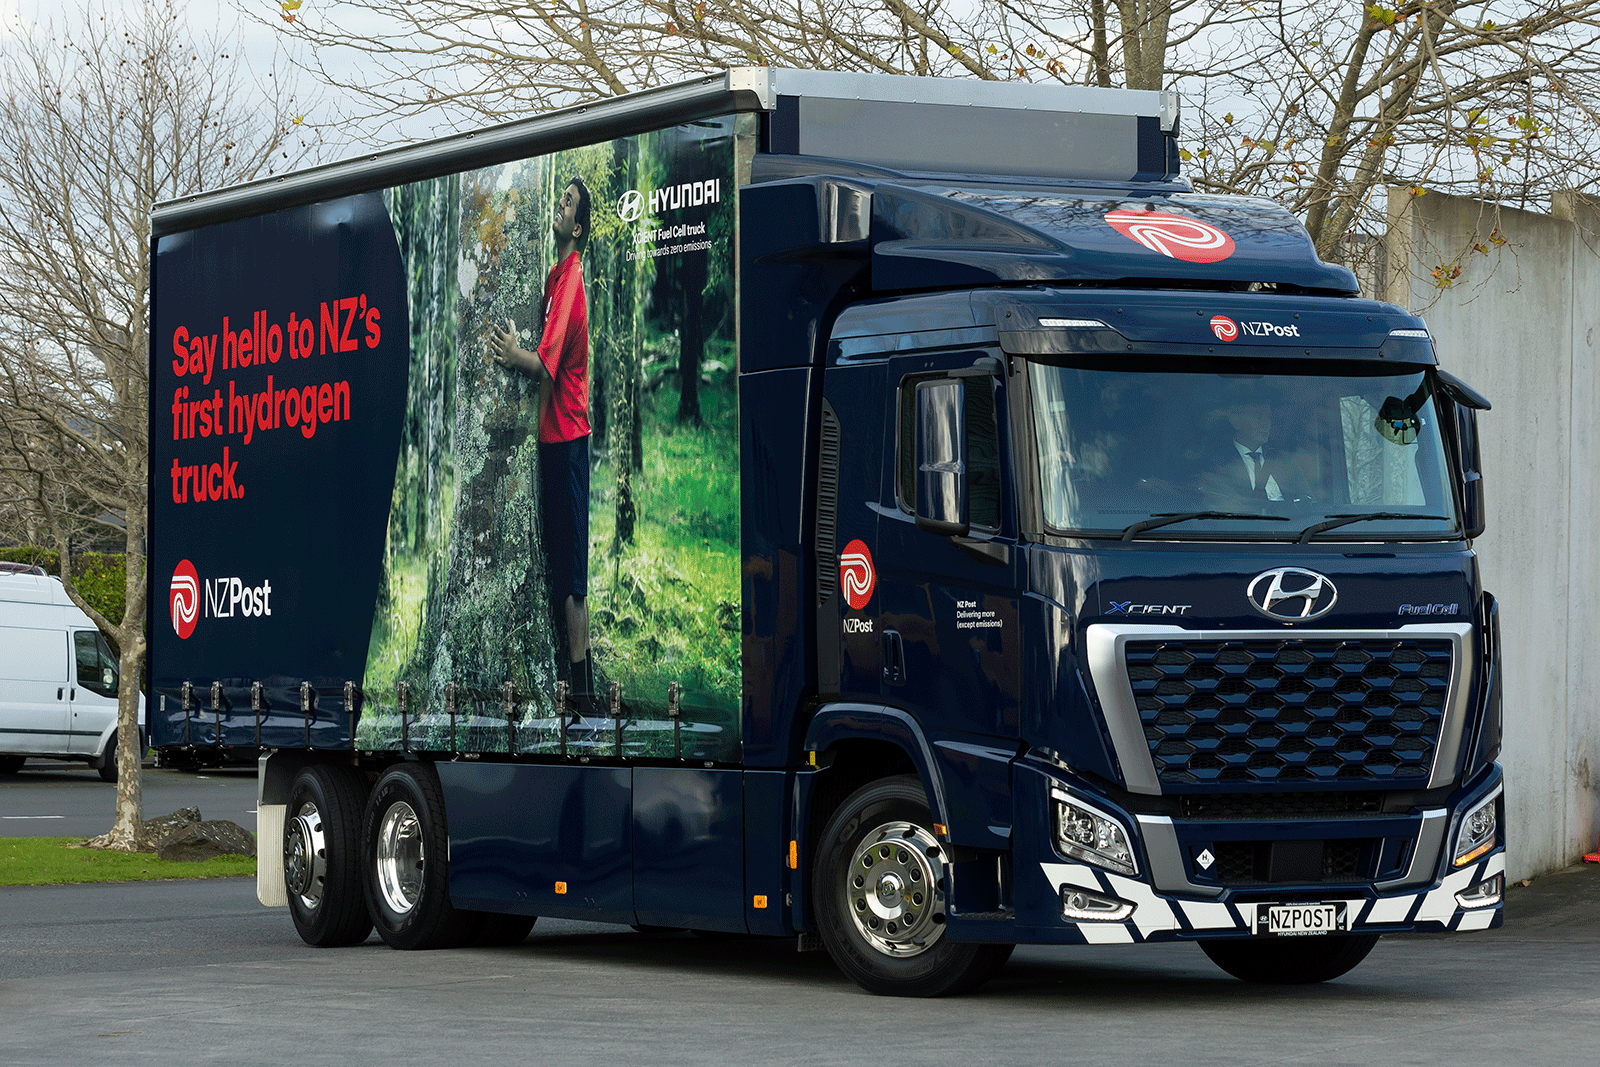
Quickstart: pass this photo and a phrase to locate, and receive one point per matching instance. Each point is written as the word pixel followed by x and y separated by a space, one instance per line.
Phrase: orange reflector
pixel 760 902
pixel 794 855
pixel 561 888
pixel 941 829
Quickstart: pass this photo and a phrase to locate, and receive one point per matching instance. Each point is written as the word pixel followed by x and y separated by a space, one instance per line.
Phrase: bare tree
pixel 1320 107
pixel 101 115
pixel 466 60
pixel 1475 97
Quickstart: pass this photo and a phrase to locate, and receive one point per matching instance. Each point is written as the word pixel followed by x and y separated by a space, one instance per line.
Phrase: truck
pixel 897 514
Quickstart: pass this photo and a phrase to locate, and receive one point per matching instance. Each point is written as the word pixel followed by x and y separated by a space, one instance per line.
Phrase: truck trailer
pixel 897 514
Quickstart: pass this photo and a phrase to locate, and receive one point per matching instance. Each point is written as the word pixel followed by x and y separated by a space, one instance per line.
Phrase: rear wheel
pixel 322 857
pixel 12 764
pixel 1290 960
pixel 880 885
pixel 407 878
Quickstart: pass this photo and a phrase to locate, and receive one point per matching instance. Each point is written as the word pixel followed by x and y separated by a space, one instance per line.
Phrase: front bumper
pixel 1171 902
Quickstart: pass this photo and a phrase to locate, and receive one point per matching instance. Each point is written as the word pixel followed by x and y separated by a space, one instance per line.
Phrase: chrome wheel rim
pixel 400 858
pixel 894 889
pixel 305 856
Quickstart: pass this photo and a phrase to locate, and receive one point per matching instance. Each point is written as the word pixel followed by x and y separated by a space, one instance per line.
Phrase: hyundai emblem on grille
pixel 1292 594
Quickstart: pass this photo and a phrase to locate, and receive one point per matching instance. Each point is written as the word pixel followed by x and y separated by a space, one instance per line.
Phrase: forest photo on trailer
pixel 470 638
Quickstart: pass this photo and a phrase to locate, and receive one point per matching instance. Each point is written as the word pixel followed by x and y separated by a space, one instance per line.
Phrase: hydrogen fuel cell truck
pixel 896 514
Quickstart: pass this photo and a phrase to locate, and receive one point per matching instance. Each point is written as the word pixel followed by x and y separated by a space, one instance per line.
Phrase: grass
pixel 60 861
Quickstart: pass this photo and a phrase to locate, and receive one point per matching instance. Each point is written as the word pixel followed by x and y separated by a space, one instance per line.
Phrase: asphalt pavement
pixel 198 973
pixel 58 798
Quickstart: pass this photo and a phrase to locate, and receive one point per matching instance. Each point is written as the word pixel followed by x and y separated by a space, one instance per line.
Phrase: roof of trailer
pixel 830 111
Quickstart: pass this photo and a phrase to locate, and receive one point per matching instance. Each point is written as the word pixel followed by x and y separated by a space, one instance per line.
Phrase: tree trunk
pixel 691 337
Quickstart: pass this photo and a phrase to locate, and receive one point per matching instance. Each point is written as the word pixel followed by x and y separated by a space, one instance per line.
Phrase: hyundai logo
pixel 630 205
pixel 1292 594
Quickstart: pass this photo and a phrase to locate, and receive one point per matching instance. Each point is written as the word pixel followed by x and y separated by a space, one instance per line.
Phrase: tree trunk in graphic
pixel 691 337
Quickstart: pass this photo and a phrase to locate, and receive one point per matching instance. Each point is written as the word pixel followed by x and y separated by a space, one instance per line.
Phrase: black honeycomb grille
pixel 1308 710
pixel 1248 863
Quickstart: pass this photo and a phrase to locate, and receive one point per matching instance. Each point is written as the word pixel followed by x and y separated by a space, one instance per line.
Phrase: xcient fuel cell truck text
pixel 894 513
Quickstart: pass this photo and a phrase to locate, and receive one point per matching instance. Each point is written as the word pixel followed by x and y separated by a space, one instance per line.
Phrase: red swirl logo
pixel 1174 236
pixel 1225 328
pixel 184 595
pixel 856 574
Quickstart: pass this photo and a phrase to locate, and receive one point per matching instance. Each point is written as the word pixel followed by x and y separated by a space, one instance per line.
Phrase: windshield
pixel 1240 451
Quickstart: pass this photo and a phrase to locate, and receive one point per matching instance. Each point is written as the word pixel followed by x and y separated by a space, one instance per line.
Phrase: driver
pixel 1247 468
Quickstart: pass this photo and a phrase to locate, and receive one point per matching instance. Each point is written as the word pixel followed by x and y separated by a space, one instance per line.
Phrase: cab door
pixel 93 699
pixel 947 554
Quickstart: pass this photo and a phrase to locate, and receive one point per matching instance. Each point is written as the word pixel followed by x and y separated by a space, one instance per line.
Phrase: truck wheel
pixel 12 764
pixel 108 761
pixel 1290 960
pixel 407 878
pixel 322 857
pixel 879 887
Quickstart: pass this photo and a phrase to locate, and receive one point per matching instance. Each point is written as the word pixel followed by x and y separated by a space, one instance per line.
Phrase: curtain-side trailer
pixel 894 513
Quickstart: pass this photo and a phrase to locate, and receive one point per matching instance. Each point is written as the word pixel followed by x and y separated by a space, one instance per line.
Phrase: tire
pixel 108 760
pixel 1290 960
pixel 12 764
pixel 879 889
pixel 498 930
pixel 406 876
pixel 322 857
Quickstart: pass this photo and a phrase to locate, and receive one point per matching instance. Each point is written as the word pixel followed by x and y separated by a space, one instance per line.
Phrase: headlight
pixel 1093 836
pixel 1478 831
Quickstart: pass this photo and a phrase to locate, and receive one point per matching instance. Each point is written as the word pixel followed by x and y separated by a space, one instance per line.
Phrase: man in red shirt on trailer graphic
pixel 561 367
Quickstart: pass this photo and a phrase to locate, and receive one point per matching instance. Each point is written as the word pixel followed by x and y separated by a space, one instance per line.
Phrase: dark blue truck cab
pixel 1106 573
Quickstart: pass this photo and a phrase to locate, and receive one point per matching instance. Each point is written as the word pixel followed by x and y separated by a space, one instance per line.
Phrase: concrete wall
pixel 1521 324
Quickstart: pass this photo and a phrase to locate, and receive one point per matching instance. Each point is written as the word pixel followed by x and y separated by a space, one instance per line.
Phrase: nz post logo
pixel 184 595
pixel 856 574
pixel 225 598
pixel 1173 236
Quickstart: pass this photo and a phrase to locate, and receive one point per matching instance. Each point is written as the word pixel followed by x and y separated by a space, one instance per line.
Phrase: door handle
pixel 59 691
pixel 894 658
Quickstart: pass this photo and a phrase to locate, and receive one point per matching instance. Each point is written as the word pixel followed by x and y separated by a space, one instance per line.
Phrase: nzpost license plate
pixel 1302 920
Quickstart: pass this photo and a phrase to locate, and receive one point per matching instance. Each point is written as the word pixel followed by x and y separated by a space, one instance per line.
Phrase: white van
pixel 58 677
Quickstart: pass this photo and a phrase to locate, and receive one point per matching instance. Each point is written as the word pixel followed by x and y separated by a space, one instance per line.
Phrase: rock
pixel 203 840
pixel 162 827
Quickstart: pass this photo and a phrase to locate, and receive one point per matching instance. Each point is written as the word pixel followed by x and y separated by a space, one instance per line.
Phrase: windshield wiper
pixel 1169 517
pixel 1345 520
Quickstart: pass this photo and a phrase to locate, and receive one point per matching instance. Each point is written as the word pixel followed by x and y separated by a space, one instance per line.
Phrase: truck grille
pixel 1247 863
pixel 1224 807
pixel 1292 710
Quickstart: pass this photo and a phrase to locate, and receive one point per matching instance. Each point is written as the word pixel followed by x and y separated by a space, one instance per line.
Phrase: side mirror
pixel 108 678
pixel 941 448
pixel 1474 511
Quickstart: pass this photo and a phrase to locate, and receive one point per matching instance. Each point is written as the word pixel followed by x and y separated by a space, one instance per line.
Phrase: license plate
pixel 1302 920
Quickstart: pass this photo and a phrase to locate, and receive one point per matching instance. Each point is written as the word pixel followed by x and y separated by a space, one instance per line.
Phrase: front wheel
pixel 322 857
pixel 12 764
pixel 880 886
pixel 1290 960
pixel 407 877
